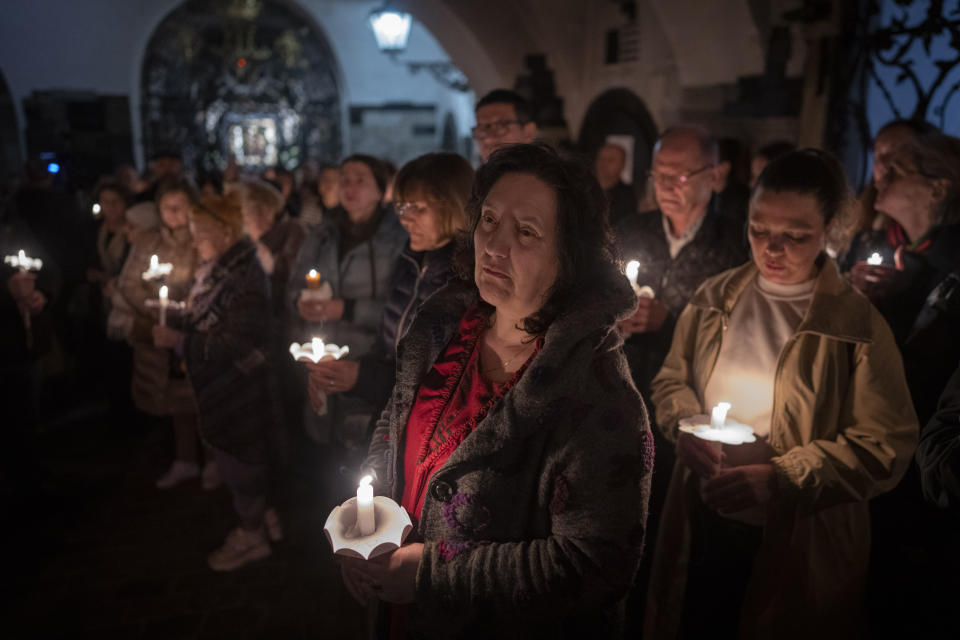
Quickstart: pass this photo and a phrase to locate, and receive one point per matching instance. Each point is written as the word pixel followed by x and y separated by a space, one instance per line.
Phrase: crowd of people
pixel 518 394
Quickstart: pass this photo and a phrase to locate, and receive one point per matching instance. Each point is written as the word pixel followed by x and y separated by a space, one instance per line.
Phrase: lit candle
pixel 365 518
pixel 317 345
pixel 633 272
pixel 163 305
pixel 23 262
pixel 157 269
pixel 875 259
pixel 313 279
pixel 718 417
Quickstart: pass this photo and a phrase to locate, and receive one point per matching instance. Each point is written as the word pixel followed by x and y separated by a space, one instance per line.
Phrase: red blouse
pixel 453 397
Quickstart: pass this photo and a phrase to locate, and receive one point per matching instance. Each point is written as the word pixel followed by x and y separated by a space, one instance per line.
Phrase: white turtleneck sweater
pixel 764 318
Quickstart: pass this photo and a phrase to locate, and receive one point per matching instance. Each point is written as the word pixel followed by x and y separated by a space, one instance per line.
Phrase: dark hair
pixel 521 106
pixel 584 243
pixel 445 179
pixel 109 183
pixel 376 168
pixel 172 184
pixel 809 172
pixel 774 150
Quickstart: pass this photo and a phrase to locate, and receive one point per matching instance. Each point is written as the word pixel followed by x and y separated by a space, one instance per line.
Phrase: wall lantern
pixel 391 28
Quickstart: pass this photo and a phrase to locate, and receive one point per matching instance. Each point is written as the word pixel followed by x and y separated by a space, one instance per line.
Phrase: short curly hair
pixel 585 248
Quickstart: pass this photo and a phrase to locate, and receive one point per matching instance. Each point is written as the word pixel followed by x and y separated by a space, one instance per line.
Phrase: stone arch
pixel 461 42
pixel 256 79
pixel 620 112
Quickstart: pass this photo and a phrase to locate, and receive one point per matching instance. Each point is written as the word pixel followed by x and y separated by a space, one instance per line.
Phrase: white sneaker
pixel 241 547
pixel 210 478
pixel 272 523
pixel 177 473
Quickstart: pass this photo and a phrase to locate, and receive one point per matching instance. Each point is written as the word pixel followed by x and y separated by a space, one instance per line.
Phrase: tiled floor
pixel 103 554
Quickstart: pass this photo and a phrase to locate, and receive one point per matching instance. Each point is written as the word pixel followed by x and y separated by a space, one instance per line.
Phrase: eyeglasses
pixel 494 129
pixel 411 209
pixel 666 180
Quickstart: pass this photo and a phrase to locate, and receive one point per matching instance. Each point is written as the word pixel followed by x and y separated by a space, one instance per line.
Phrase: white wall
pixel 98 46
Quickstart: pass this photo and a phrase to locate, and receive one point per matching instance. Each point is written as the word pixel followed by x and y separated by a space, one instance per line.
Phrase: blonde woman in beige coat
pixel 773 539
pixel 159 386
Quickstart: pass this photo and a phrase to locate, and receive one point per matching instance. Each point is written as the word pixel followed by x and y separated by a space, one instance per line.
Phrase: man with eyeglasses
pixel 503 117
pixel 681 244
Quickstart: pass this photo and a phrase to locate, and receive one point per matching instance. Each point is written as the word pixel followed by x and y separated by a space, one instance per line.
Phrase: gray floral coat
pixel 535 524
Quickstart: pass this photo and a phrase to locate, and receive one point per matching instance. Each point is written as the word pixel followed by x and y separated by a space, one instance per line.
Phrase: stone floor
pixel 104 554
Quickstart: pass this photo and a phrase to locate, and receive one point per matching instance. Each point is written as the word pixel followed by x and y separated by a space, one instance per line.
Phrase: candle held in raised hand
pixel 366 523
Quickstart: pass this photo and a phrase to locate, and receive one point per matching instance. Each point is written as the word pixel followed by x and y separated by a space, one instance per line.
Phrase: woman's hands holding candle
pixel 330 376
pixel 391 577
pixel 320 310
pixel 702 457
pixel 739 488
pixel 873 281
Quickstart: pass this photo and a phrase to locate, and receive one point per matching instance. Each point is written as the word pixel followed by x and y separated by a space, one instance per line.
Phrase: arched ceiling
pixel 713 42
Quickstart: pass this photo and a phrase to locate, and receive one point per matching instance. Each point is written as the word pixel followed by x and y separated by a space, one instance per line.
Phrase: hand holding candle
pixel 24 264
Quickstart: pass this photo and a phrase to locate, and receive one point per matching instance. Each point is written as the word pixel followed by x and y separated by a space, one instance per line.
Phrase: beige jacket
pixel 844 430
pixel 157 386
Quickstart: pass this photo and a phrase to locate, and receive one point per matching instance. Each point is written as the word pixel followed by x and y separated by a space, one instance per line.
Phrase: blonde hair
pixel 223 210
pixel 262 194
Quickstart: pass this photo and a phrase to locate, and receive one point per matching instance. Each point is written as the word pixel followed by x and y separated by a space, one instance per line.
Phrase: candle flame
pixel 154 261
pixel 366 480
pixel 313 274
pixel 875 259
pixel 317 345
pixel 22 256
pixel 163 292
pixel 632 271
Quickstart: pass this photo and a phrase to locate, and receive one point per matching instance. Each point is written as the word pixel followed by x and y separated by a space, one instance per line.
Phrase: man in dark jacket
pixel 681 244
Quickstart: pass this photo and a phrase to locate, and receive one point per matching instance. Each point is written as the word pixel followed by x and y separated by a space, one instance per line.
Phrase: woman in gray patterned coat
pixel 515 436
